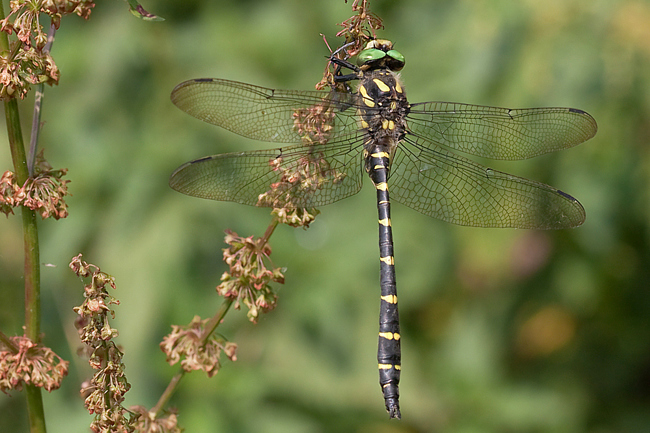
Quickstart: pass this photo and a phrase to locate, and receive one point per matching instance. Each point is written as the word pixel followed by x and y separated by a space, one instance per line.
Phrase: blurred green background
pixel 503 330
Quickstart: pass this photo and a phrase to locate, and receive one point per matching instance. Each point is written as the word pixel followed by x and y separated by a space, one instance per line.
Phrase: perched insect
pixel 407 148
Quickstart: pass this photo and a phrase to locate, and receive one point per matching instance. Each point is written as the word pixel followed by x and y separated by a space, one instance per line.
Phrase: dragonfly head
pixel 379 54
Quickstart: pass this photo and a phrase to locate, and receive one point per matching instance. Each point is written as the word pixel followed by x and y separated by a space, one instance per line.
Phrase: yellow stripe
pixel 382 86
pixel 366 99
pixel 364 124
pixel 391 299
pixel 388 367
pixel 398 88
pixel 382 186
pixel 384 124
pixel 388 260
pixel 380 155
pixel 385 222
pixel 389 335
pixel 377 167
pixel 383 201
pixel 391 125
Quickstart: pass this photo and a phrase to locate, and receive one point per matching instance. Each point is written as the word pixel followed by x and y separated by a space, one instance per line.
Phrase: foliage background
pixel 503 330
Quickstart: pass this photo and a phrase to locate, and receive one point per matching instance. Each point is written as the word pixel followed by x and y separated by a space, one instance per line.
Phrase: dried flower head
pixel 28 61
pixel 149 422
pixel 56 9
pixel 44 192
pixel 197 352
pixel 104 393
pixel 299 180
pixel 295 217
pixel 115 420
pixel 248 281
pixel 29 363
pixel 358 30
pixel 8 192
pixel 93 324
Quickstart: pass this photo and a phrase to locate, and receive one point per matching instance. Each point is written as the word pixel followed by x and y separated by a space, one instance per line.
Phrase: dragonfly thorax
pixel 382 111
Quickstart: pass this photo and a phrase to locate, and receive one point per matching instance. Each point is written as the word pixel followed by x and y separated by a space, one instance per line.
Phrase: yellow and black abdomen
pixel 382 109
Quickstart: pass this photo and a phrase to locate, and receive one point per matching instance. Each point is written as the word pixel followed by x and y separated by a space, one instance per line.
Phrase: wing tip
pixel 589 118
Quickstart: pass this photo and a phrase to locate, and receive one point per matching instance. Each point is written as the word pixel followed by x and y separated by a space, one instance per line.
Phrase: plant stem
pixel 30 228
pixel 32 268
pixel 216 320
pixel 269 231
pixel 38 104
pixel 35 406
pixel 30 238
pixel 167 394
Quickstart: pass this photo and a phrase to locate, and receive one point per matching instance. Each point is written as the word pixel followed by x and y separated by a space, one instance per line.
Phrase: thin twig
pixel 269 231
pixel 38 103
pixel 8 343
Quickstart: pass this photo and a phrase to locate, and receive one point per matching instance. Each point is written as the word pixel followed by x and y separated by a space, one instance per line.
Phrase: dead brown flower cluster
pixel 248 281
pixel 44 192
pixel 104 393
pixel 198 353
pixel 28 61
pixel 24 362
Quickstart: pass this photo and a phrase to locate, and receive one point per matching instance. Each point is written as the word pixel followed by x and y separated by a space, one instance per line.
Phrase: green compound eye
pixel 396 55
pixel 370 55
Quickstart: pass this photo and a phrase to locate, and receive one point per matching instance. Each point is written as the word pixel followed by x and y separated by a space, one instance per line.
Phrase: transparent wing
pixel 452 188
pixel 499 133
pixel 424 176
pixel 294 176
pixel 258 112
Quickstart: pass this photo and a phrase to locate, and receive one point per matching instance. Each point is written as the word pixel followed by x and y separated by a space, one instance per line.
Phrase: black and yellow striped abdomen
pixel 382 109
pixel 388 349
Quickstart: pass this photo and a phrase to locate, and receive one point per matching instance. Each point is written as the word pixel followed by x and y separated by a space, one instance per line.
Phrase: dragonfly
pixel 337 137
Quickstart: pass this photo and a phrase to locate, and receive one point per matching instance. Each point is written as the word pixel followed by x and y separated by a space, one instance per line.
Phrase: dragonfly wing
pixel 258 112
pixel 441 184
pixel 499 133
pixel 295 176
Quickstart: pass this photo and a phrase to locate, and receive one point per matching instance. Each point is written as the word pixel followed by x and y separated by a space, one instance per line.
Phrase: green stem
pixel 216 320
pixel 30 238
pixel 30 228
pixel 269 231
pixel 32 268
pixel 35 406
pixel 169 391
pixel 32 276
pixel 16 141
